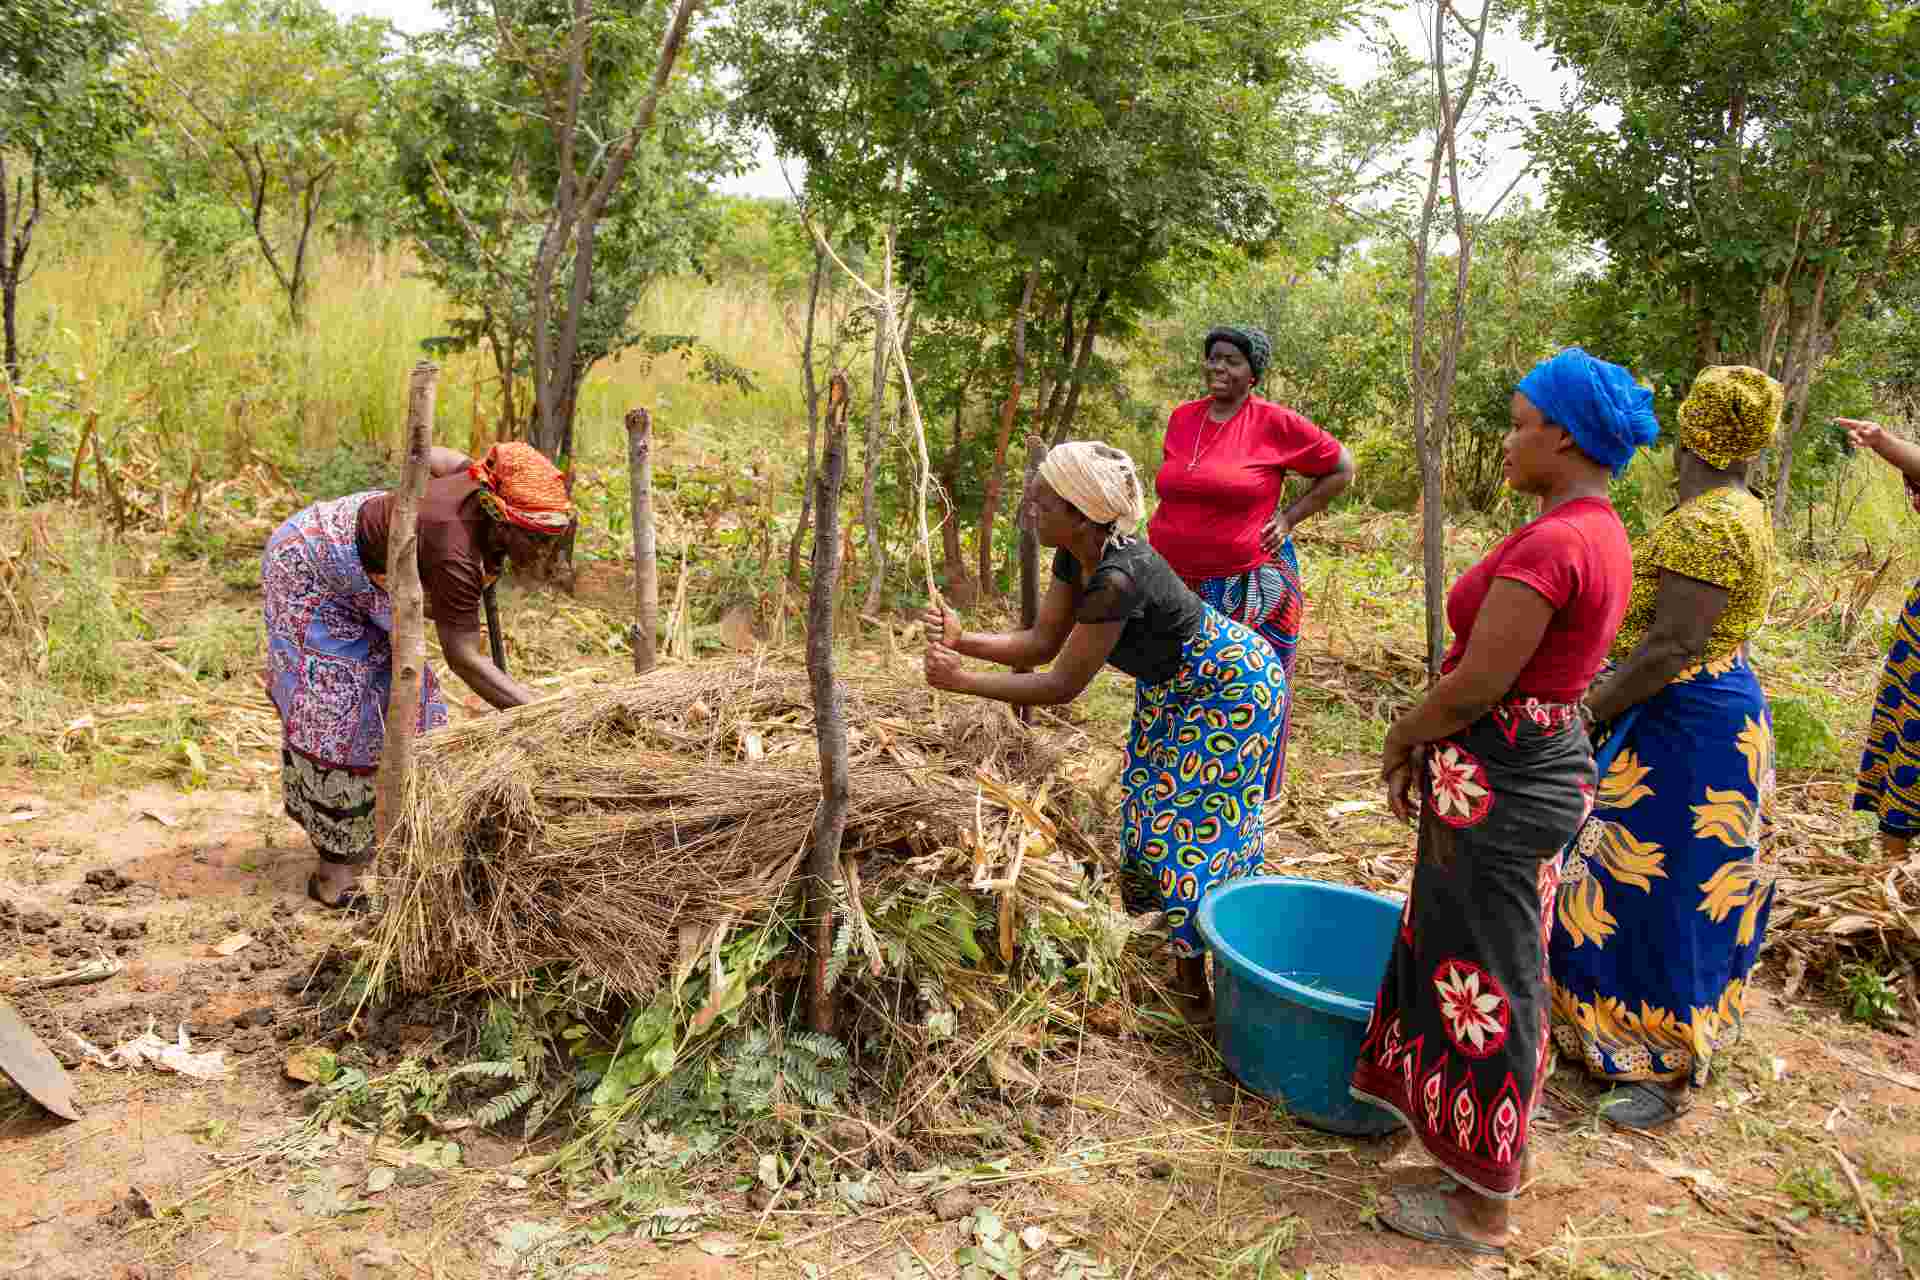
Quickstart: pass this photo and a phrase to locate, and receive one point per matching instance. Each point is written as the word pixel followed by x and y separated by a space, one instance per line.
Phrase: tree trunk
pixel 646 565
pixel 1009 410
pixel 1804 355
pixel 1029 550
pixel 1079 375
pixel 869 518
pixel 959 590
pixel 812 390
pixel 409 610
pixel 1433 390
pixel 829 715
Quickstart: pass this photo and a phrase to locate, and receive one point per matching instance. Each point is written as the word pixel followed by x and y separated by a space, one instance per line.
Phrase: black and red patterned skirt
pixel 1459 1043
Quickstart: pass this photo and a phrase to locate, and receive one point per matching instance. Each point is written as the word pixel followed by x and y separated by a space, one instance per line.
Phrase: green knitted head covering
pixel 1253 343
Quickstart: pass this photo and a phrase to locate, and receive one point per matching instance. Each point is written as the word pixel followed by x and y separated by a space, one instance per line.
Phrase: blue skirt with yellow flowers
pixel 1199 755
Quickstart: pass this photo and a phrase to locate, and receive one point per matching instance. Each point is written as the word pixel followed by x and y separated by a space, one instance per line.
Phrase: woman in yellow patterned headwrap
pixel 1889 783
pixel 329 619
pixel 1664 896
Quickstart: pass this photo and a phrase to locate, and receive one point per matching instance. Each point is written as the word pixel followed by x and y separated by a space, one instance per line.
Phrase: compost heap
pixel 621 833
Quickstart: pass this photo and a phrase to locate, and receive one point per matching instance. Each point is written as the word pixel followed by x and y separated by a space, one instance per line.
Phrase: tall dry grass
pixel 218 370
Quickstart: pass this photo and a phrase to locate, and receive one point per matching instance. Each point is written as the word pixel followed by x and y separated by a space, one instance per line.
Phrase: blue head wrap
pixel 1606 412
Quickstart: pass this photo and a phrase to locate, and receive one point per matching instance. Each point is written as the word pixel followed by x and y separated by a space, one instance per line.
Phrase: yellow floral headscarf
pixel 1731 413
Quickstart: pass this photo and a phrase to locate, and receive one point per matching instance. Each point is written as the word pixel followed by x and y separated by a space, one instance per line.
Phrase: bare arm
pixel 1505 636
pixel 1903 454
pixel 1031 647
pixel 443 462
pixel 1684 612
pixel 1319 494
pixel 1088 646
pixel 470 662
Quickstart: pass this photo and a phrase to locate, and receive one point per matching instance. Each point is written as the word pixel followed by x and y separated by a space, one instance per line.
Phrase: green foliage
pixel 64 117
pixel 1870 996
pixel 204 240
pixel 1818 1193
pixel 480 156
pixel 1261 1259
pixel 1756 192
pixel 1801 737
pixel 268 110
pixel 346 467
pixel 86 619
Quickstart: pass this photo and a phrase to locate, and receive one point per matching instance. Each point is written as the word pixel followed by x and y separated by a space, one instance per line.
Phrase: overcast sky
pixel 1528 68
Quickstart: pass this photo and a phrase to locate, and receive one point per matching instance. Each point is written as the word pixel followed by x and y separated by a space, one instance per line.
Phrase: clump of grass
pixel 1801 738
pixel 85 614
pixel 1817 1192
pixel 221 643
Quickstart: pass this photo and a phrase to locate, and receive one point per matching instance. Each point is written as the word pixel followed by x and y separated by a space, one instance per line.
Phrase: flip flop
pixel 1640 1105
pixel 353 901
pixel 1426 1214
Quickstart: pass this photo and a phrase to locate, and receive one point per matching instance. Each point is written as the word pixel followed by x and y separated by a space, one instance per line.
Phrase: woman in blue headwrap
pixel 1496 764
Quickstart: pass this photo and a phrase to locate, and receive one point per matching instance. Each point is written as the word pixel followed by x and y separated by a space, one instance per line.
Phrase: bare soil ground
pixel 1128 1175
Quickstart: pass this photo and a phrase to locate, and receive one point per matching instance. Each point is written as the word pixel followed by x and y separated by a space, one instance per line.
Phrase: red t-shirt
pixel 1578 557
pixel 1220 481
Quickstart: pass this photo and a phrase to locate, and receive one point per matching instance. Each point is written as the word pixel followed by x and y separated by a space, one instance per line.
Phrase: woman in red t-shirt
pixel 1498 756
pixel 1220 523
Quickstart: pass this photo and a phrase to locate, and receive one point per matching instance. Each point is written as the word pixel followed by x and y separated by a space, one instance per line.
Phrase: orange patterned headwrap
pixel 523 488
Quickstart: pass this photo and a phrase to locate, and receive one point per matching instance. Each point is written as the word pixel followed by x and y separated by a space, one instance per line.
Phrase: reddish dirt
pixel 230 863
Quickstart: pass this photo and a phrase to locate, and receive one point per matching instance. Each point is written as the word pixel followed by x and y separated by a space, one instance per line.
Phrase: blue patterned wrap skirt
pixel 1889 783
pixel 1665 892
pixel 1272 601
pixel 1199 754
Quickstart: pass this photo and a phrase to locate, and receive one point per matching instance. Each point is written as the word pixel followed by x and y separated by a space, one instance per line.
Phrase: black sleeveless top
pixel 1161 614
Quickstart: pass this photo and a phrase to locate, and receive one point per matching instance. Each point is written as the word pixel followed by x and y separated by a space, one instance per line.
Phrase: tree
pixel 1761 186
pixel 1455 104
pixel 63 121
pixel 273 105
pixel 546 196
pixel 1043 164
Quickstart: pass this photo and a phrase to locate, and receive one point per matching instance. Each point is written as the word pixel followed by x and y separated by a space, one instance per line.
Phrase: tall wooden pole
pixel 1029 554
pixel 646 565
pixel 409 608
pixel 829 715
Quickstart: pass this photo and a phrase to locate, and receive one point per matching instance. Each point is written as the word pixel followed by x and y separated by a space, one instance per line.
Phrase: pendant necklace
pixel 1200 442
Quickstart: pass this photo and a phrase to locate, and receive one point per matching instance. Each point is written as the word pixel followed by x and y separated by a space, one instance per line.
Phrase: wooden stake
pixel 829 716
pixel 409 608
pixel 646 562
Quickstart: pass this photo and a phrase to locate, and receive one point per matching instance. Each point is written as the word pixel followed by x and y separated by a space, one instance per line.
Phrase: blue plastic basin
pixel 1296 964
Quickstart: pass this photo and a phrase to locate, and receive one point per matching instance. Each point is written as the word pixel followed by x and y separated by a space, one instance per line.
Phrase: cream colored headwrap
pixel 1098 479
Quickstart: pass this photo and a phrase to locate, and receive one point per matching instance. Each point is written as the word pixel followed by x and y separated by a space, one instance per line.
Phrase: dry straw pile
pixel 615 831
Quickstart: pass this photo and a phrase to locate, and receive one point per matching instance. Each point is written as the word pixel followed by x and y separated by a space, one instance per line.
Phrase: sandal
pixel 1425 1213
pixel 353 901
pixel 1640 1105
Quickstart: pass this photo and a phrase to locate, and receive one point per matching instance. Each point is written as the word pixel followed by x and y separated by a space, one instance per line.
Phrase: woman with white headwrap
pixel 1211 695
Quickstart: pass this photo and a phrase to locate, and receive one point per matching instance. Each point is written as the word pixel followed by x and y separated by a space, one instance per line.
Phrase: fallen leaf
pixel 1035 1237
pixel 718 1248
pixel 1685 1173
pixel 233 944
pixel 26 815
pixel 1779 1070
pixel 311 1064
pixel 159 817
pixel 379 1178
pixel 1853 924
pixel 1346 807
